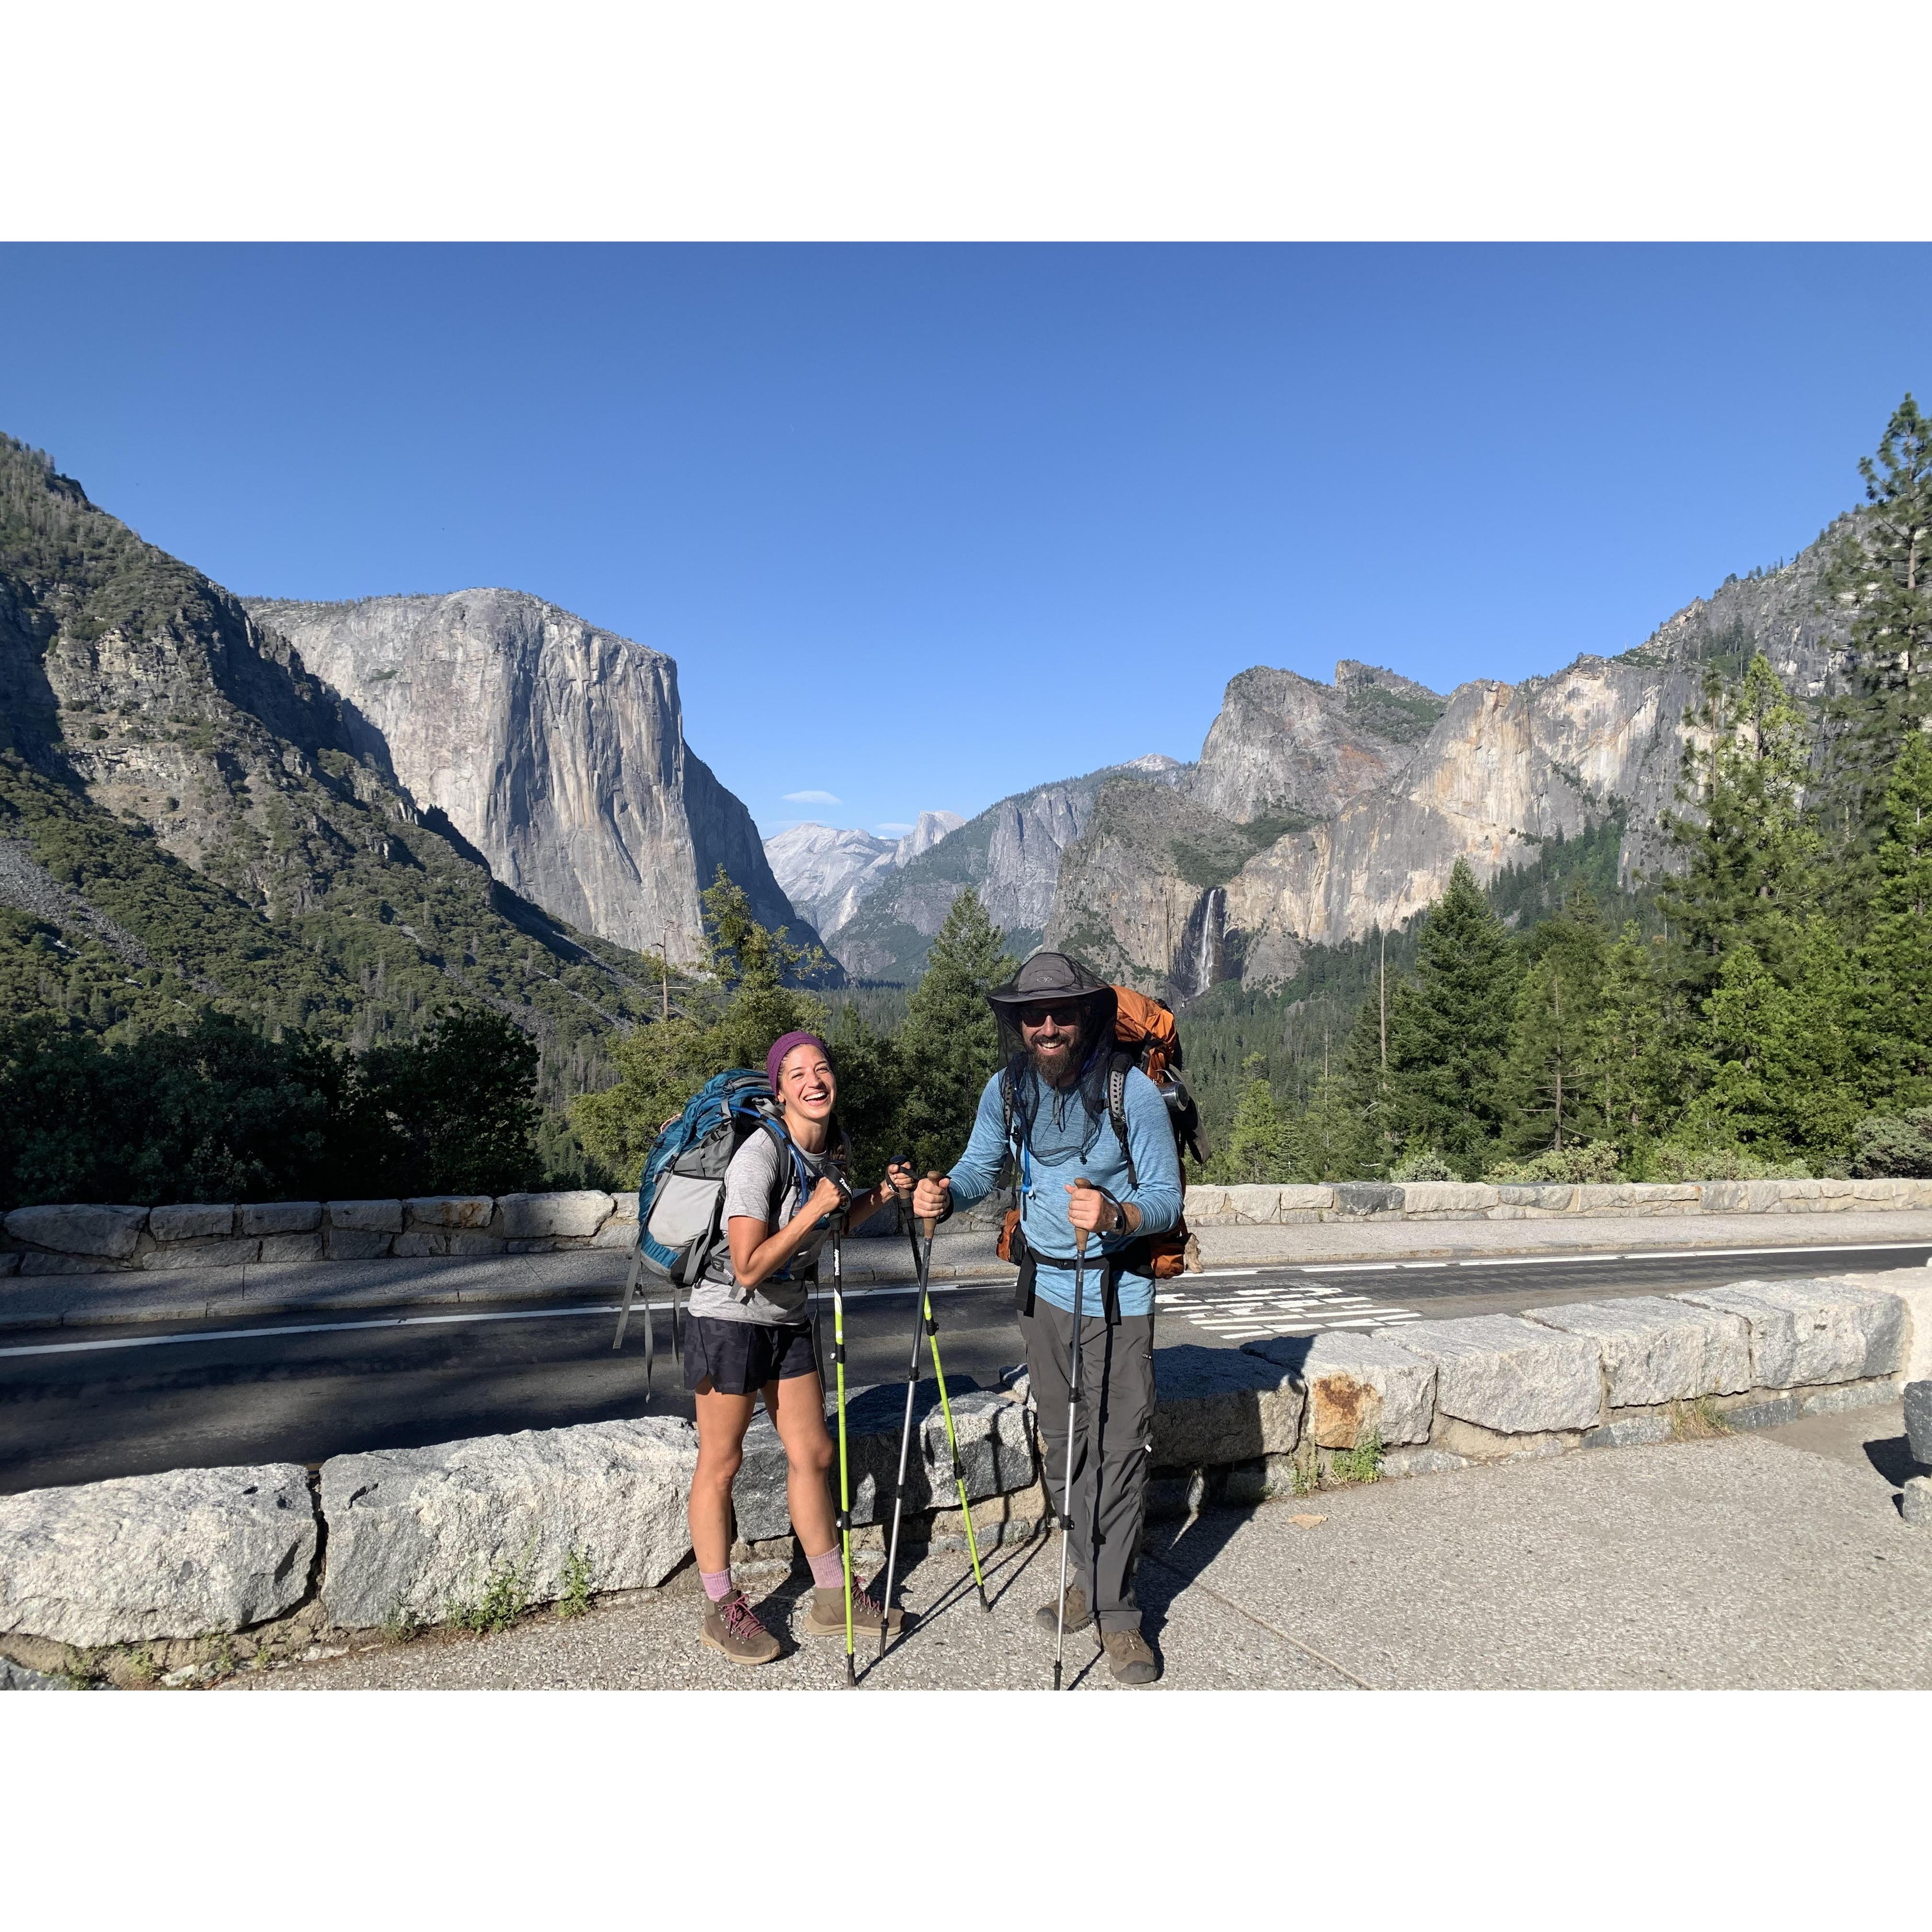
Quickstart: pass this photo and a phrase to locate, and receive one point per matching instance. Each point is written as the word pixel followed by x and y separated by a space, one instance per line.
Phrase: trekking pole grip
pixel 1081 1186
pixel 926 1227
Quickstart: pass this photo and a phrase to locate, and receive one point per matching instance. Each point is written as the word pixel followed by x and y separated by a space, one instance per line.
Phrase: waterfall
pixel 1204 971
pixel 1197 964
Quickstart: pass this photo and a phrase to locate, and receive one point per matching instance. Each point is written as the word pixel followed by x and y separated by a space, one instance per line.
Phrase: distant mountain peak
pixel 828 872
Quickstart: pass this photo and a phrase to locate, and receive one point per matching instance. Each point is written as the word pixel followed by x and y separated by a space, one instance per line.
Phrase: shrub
pixel 1672 1162
pixel 1423 1164
pixel 1587 1163
pixel 1894 1146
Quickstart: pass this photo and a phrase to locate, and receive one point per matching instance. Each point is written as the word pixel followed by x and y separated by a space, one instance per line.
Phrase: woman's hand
pixel 827 1198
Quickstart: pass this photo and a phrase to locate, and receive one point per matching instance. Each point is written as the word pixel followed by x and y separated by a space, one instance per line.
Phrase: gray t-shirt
pixel 762 1182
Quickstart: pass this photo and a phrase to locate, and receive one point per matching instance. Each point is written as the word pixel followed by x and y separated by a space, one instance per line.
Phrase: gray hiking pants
pixel 1116 1418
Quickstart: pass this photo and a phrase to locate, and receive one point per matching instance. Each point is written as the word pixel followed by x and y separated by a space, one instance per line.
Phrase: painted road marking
pixel 430 1321
pixel 1292 1308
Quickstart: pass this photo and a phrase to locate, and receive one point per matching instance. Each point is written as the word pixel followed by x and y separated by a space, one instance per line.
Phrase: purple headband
pixel 782 1045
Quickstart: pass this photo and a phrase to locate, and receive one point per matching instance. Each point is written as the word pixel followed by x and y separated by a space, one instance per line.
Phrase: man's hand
pixel 1093 1211
pixel 929 1198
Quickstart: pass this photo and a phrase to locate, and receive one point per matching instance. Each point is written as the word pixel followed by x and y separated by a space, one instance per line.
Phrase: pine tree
pixel 949 1046
pixel 1449 1034
pixel 1897 955
pixel 1331 1140
pixel 1632 1053
pixel 1750 862
pixel 1366 1088
pixel 1776 1061
pixel 1256 1148
pixel 1882 576
pixel 1553 1094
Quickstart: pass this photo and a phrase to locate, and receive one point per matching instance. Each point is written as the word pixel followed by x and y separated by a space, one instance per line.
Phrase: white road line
pixel 418 1321
pixel 315 1328
pixel 1543 1261
pixel 1693 1254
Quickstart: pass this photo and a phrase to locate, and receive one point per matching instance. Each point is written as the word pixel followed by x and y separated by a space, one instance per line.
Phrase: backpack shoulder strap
pixel 1118 1070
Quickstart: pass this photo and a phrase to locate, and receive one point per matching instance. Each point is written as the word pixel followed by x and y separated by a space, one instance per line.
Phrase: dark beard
pixel 1068 1069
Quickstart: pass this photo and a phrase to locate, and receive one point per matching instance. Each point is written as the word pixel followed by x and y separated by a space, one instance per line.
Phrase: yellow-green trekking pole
pixel 845 1473
pixel 925 1260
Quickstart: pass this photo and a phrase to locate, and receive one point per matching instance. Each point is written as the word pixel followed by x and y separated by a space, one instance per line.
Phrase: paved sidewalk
pixel 595 1274
pixel 1774 1560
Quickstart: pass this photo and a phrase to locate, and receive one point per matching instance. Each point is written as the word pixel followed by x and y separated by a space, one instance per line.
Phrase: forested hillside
pixel 185 824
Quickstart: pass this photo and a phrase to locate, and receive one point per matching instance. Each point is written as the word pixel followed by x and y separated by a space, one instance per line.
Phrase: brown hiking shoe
pixel 826 1617
pixel 731 1627
pixel 1078 1616
pixel 1130 1657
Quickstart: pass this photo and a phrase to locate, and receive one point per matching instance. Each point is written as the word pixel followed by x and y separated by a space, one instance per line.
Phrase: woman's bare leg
pixel 722 1420
pixel 796 1406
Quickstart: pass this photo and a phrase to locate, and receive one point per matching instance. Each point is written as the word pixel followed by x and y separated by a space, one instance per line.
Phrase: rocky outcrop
pixel 1141 894
pixel 828 873
pixel 1282 744
pixel 1010 855
pixel 1506 767
pixel 556 748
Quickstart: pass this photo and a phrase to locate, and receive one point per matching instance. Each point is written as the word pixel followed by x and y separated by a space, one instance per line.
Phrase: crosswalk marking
pixel 1282 1308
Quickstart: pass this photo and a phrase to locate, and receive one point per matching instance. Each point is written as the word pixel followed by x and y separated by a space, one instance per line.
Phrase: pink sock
pixel 828 1571
pixel 717 1583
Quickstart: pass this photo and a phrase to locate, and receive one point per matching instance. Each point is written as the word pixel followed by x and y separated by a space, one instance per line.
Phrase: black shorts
pixel 742 1356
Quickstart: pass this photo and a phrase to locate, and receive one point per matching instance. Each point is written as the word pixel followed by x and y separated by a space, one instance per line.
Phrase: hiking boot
pixel 826 1617
pixel 1078 1616
pixel 731 1627
pixel 1130 1657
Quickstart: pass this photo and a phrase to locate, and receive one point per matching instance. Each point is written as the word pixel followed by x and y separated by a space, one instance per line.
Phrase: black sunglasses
pixel 1067 1014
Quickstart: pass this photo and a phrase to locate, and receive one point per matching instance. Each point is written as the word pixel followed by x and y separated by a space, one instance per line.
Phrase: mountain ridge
pixel 191 820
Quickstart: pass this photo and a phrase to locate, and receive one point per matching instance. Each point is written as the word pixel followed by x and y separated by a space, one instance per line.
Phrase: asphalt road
pixel 147 1397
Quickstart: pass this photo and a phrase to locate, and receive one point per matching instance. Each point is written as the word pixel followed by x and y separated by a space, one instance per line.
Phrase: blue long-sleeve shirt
pixel 1053 1163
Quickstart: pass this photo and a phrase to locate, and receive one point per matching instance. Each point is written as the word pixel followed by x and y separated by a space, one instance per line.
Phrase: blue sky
pixel 922 526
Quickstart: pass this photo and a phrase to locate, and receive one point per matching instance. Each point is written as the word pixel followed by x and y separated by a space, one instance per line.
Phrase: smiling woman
pixel 749 1337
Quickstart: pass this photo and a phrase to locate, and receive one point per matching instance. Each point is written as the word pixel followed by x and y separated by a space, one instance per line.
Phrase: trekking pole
pixel 905 1429
pixel 844 1472
pixel 1072 1416
pixel 925 1261
pixel 650 1333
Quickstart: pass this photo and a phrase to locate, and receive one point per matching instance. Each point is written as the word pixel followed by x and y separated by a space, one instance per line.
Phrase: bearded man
pixel 1049 1109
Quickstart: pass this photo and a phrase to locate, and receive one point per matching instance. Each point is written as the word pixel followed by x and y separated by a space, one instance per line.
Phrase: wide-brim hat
pixel 1048 977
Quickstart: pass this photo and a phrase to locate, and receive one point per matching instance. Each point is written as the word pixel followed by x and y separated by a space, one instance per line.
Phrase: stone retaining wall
pixel 1479 1201
pixel 231 1560
pixel 93 1238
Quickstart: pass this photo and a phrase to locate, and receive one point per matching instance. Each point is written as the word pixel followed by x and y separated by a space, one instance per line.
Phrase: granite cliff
pixel 1318 813
pixel 556 748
